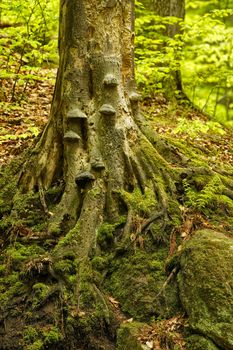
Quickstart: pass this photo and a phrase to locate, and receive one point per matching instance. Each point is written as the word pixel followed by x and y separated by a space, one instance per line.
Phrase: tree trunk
pixel 94 138
pixel 171 8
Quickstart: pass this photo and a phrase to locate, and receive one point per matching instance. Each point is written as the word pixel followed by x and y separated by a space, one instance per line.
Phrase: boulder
pixel 205 283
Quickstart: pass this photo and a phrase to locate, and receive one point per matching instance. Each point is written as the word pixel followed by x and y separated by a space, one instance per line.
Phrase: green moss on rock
pixel 136 281
pixel 127 337
pixel 198 342
pixel 206 286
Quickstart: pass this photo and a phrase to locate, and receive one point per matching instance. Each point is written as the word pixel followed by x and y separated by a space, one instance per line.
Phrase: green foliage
pixel 203 52
pixel 30 334
pixel 40 292
pixel 201 199
pixel 157 56
pixel 36 345
pixel 31 131
pixel 10 286
pixel 28 40
pixel 136 279
pixel 24 215
pixel 208 56
pixel 195 127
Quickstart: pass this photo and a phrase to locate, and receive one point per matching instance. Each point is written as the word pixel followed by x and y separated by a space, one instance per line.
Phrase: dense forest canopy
pixel 116 223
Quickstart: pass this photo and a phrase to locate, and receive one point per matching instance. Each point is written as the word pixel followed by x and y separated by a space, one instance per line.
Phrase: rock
pixel 127 336
pixel 198 342
pixel 206 286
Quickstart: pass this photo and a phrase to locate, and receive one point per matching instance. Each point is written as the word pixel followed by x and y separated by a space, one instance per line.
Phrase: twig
pixel 174 271
pixel 151 219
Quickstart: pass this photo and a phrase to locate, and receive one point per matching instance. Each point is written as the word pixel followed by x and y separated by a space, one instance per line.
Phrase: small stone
pixel 107 109
pixel 110 80
pixel 76 113
pixel 71 136
pixel 83 178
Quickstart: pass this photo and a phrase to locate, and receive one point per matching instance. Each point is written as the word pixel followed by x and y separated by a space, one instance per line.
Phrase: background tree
pixel 159 30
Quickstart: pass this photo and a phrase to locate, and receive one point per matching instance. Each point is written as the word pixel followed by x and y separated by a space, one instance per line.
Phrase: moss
pixel 127 337
pixel 19 253
pixel 174 212
pixel 30 334
pixel 136 278
pixel 206 284
pixel 10 287
pixel 53 194
pixel 3 269
pixel 65 267
pixel 37 345
pixel 40 292
pixel 51 336
pixel 8 185
pixel 198 342
pixel 141 203
pixel 72 238
pixel 100 263
pixel 38 339
pixel 105 235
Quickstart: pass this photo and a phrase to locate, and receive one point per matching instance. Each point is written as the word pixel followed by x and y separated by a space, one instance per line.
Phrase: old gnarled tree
pixel 115 189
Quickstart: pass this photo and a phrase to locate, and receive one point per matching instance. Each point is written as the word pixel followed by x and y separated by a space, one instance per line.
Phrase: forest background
pixel 203 51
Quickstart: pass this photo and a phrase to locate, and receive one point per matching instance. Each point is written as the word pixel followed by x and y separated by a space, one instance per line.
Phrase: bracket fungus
pixel 97 164
pixel 82 179
pixel 71 136
pixel 76 113
pixel 107 109
pixel 110 80
pixel 134 97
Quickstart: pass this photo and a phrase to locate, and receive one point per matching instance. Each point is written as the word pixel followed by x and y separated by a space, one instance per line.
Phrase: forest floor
pixel 24 118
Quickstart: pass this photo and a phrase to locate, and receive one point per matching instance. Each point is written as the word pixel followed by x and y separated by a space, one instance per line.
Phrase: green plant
pixel 201 199
pixel 28 40
pixel 157 56
pixel 208 55
pixel 194 128
pixel 52 336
